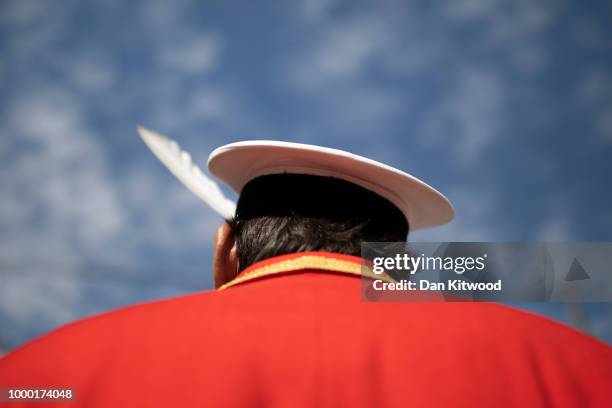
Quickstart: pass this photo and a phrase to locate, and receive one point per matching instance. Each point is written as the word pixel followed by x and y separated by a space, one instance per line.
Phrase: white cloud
pixel 515 27
pixel 469 116
pixel 57 202
pixel 555 229
pixel 64 170
pixel 594 87
pixel 20 12
pixel 416 56
pixel 469 10
pixel 161 15
pixel 172 217
pixel 341 53
pixel 37 25
pixel 475 207
pixel 506 22
pixel 590 34
pixel 603 124
pixel 594 92
pixel 61 211
pixel 196 54
pixel 530 58
pixel 317 9
pixel 32 296
pixel 333 72
pixel 209 103
pixel 92 73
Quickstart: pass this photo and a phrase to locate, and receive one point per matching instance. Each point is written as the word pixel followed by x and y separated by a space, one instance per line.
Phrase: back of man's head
pixel 287 213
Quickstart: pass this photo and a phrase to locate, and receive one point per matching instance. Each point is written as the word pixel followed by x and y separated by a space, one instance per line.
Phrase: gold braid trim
pixel 309 262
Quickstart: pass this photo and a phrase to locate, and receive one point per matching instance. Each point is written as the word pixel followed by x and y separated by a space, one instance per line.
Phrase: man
pixel 287 326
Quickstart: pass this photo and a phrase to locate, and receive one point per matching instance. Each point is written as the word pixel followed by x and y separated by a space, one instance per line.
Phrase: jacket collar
pixel 297 262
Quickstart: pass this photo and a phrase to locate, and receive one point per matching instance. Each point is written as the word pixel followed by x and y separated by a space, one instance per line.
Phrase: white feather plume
pixel 179 163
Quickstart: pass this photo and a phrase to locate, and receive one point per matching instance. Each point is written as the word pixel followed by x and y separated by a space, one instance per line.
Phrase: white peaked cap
pixel 238 163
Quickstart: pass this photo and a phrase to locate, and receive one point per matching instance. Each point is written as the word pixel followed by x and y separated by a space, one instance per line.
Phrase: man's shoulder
pixel 503 320
pixel 213 323
pixel 476 323
pixel 212 308
pixel 100 331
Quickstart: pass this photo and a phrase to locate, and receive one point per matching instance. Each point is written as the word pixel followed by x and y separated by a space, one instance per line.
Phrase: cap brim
pixel 238 163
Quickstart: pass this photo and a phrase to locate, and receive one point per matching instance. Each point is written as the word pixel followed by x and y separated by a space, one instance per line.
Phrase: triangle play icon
pixel 576 272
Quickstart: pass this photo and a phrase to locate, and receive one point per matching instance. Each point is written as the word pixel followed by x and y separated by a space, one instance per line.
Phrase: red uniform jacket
pixel 293 331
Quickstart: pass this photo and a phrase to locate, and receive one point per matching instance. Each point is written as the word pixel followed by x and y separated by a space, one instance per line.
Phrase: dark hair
pixel 286 213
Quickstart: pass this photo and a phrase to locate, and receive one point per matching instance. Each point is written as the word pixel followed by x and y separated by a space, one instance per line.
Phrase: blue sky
pixel 505 106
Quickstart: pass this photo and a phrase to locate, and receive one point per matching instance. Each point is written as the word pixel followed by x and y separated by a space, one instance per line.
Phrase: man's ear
pixel 225 257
